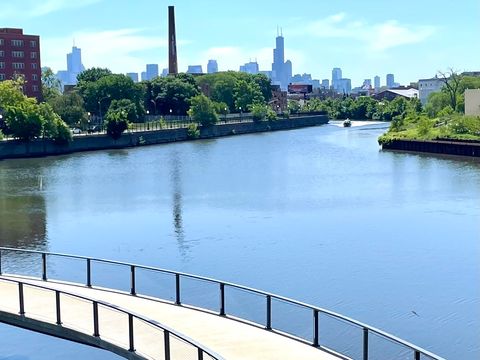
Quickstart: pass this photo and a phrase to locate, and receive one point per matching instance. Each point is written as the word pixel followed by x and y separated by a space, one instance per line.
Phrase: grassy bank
pixel 420 127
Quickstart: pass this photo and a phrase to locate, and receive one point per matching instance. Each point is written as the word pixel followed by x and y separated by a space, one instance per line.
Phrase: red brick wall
pixel 20 54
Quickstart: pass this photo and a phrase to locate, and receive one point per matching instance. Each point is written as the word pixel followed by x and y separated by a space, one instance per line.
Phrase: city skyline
pixel 364 40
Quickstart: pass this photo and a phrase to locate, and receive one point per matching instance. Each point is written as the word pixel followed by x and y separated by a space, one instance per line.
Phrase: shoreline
pixel 14 149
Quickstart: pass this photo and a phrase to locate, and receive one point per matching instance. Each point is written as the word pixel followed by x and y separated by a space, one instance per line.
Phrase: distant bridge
pixel 187 324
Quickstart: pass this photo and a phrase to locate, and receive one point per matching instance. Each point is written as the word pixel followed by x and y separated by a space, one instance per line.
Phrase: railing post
pixel 222 299
pixel 44 266
pixel 269 313
pixel 57 307
pixel 417 355
pixel 316 341
pixel 132 280
pixel 130 333
pixel 89 273
pixel 0 262
pixel 177 289
pixel 96 331
pixel 200 354
pixel 20 299
pixel 166 340
pixel 365 343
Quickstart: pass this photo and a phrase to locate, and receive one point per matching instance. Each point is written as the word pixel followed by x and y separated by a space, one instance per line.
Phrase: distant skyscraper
pixel 250 68
pixel 164 72
pixel 74 67
pixel 390 81
pixel 336 76
pixel 143 76
pixel 195 69
pixel 133 76
pixel 367 84
pixel 281 70
pixel 325 84
pixel 376 82
pixel 212 66
pixel 152 71
pixel 344 86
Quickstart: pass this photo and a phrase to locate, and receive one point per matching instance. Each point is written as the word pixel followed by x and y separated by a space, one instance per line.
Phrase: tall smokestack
pixel 172 42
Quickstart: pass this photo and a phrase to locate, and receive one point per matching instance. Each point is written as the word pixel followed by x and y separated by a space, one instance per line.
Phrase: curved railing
pixel 369 338
pixel 101 321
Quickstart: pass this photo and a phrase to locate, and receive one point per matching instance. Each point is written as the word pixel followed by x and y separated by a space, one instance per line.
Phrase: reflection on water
pixel 176 184
pixel 22 207
pixel 319 214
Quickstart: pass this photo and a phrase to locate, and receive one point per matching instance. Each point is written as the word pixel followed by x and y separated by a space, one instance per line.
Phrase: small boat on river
pixel 347 123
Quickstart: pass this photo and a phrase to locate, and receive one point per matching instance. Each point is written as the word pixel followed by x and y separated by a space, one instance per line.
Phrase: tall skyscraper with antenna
pixel 281 70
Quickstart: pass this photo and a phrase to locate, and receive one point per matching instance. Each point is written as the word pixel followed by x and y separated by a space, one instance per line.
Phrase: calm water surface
pixel 321 215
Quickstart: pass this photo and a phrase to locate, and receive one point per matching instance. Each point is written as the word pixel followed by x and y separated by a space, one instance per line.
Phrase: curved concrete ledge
pixel 458 148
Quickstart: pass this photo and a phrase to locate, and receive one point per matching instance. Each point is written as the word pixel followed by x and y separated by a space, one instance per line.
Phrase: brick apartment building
pixel 20 55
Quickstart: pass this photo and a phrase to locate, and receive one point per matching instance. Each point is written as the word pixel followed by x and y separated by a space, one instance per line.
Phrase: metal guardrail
pixel 314 339
pixel 167 334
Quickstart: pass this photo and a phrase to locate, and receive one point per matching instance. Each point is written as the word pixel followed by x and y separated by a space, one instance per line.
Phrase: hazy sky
pixel 411 38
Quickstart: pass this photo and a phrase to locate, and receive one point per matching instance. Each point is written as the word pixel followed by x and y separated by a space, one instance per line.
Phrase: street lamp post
pixel 225 113
pixel 240 108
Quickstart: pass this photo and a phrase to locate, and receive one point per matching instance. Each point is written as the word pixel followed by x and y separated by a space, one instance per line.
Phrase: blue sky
pixel 412 39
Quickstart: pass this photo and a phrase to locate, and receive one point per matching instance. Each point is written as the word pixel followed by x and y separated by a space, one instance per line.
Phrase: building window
pixel 2 42
pixel 17 43
pixel 2 65
pixel 35 88
pixel 17 66
pixel 2 53
pixel 33 43
pixel 18 54
pixel 2 76
pixel 33 55
pixel 34 66
pixel 34 77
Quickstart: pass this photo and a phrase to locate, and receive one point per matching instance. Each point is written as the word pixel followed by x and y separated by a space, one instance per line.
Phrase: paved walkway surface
pixel 229 338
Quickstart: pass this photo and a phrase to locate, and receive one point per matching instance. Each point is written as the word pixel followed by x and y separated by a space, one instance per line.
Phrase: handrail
pixel 95 303
pixel 316 310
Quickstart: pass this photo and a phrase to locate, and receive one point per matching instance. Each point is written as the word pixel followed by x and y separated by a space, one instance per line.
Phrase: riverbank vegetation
pixel 442 117
pixel 118 103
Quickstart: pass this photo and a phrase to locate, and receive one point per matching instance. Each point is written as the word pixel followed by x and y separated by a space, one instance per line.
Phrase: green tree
pixel 451 80
pixel 265 85
pixel 51 86
pixel 246 94
pixel 202 110
pixel 173 93
pixel 24 120
pixel 437 101
pixel 93 74
pixel 99 94
pixel 128 106
pixel 259 112
pixel 71 108
pixel 116 122
pixel 53 127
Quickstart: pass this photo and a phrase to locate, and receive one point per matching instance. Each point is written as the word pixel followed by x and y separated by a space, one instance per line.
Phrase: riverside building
pixel 20 56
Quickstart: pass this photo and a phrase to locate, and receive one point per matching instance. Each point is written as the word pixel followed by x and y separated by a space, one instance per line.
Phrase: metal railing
pixel 99 311
pixel 310 319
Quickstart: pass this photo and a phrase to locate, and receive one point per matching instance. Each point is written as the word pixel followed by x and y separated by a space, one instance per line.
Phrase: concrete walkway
pixel 229 338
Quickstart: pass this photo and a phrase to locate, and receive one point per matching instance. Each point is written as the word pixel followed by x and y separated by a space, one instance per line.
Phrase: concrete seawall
pixel 436 146
pixel 37 148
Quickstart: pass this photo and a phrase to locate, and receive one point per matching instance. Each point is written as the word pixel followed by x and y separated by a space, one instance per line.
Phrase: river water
pixel 319 214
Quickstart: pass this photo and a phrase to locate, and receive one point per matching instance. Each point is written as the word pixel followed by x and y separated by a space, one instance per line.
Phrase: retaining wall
pixel 436 146
pixel 37 148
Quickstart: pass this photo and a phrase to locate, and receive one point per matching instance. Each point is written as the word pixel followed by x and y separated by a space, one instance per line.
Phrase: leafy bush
pixel 259 112
pixel 193 132
pixel 271 115
pixel 202 110
pixel 116 122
